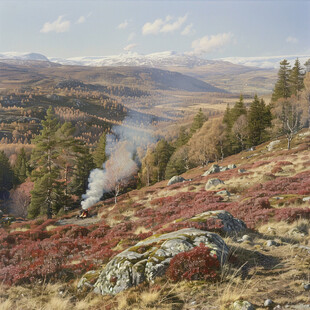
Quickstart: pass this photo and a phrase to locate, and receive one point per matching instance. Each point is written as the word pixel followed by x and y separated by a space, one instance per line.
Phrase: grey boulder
pixel 176 179
pixel 150 258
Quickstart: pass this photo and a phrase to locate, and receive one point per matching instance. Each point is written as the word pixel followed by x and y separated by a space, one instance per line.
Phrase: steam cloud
pixel 120 166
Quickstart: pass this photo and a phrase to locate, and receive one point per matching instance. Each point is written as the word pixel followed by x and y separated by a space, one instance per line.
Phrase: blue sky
pixel 212 29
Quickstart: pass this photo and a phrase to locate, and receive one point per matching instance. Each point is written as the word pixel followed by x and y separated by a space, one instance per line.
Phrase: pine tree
pixel 296 79
pixel 163 152
pixel 68 148
pixel 6 175
pixel 238 110
pixel 199 119
pixel 45 156
pixel 99 154
pixel 282 87
pixel 259 118
pixel 21 166
pixel 82 169
pixel 178 163
pixel 183 137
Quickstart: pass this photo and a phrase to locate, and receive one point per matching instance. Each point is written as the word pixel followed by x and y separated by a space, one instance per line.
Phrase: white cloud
pixel 163 25
pixel 129 47
pixel 211 43
pixel 291 40
pixel 81 20
pixel 131 36
pixel 59 25
pixel 123 25
pixel 188 30
pixel 171 27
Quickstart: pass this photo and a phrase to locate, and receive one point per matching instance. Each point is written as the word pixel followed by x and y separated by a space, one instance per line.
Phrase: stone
pixel 150 258
pixel 241 305
pixel 272 144
pixel 176 179
pixel 270 243
pixel 213 183
pixel 231 166
pixel 246 238
pixel 242 171
pixel 268 303
pixel 88 280
pixel 214 169
pixel 231 225
pixel 307 287
pixel 306 199
pixel 223 193
pixel 223 169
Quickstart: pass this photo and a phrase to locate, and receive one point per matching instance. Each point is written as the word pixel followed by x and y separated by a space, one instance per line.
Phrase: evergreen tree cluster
pixel 61 166
pixel 246 127
pixel 290 81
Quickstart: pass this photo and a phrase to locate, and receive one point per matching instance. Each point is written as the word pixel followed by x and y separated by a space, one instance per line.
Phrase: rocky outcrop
pixel 176 179
pixel 213 169
pixel 213 183
pixel 230 224
pixel 216 168
pixel 272 144
pixel 150 258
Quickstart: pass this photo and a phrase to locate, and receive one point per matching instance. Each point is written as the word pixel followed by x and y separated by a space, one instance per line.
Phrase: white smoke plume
pixel 120 167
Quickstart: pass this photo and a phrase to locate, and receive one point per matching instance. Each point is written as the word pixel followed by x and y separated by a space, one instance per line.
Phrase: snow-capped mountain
pixel 156 60
pixel 162 59
pixel 265 62
pixel 23 56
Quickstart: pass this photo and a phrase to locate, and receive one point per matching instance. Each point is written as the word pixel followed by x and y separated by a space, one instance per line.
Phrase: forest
pixel 48 151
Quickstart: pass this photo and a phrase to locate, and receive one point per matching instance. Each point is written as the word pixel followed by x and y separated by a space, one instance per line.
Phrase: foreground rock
pixel 150 258
pixel 230 225
pixel 241 305
pixel 176 179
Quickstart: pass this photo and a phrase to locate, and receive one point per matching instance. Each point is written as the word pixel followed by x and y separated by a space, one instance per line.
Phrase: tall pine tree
pixel 296 79
pixel 99 154
pixel 259 119
pixel 21 166
pixel 199 119
pixel 282 87
pixel 46 173
pixel 6 176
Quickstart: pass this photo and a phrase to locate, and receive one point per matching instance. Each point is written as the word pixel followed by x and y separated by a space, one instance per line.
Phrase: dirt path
pixel 80 222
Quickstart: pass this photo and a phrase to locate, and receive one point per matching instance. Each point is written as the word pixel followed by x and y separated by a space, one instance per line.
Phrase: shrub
pixel 196 264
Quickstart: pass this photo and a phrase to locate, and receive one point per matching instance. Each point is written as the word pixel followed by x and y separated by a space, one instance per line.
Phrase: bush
pixel 196 264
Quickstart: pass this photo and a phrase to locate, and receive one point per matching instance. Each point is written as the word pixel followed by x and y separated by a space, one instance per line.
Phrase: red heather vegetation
pixel 196 264
pixel 41 250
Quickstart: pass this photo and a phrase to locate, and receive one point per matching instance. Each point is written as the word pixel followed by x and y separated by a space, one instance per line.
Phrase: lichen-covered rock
pixel 176 179
pixel 214 169
pixel 88 280
pixel 272 144
pixel 150 258
pixel 223 193
pixel 232 166
pixel 241 305
pixel 231 225
pixel 213 183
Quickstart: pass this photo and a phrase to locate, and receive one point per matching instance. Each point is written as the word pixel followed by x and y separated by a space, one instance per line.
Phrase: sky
pixel 209 29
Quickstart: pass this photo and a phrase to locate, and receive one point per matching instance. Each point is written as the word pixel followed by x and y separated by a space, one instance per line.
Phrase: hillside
pixel 23 72
pixel 269 192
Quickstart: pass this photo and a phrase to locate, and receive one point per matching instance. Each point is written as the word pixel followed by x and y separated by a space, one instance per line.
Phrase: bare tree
pixel 291 119
pixel 240 130
pixel 119 168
